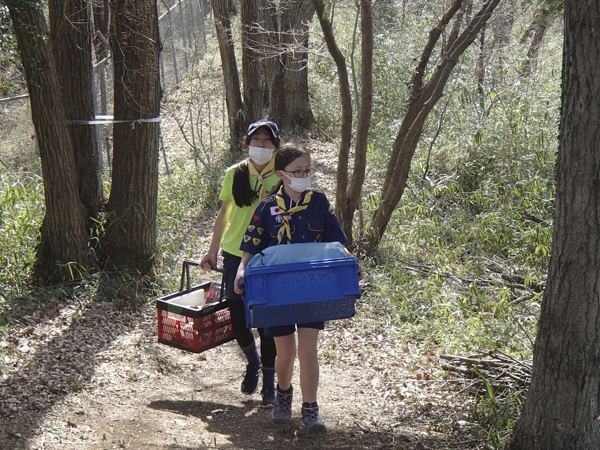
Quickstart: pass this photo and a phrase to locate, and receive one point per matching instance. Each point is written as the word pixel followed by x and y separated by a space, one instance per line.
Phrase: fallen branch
pixel 497 367
pixel 510 281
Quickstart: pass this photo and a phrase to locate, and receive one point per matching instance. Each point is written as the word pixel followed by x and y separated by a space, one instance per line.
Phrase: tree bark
pixel 290 105
pixel 251 68
pixel 267 10
pixel 130 238
pixel 561 409
pixel 423 99
pixel 63 248
pixel 72 32
pixel 233 95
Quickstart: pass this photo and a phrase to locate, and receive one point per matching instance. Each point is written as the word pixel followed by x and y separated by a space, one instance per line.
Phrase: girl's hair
pixel 287 154
pixel 243 193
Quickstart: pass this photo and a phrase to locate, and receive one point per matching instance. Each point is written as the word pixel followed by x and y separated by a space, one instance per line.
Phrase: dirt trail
pixel 91 377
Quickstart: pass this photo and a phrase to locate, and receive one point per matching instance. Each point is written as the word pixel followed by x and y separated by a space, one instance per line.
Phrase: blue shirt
pixel 317 223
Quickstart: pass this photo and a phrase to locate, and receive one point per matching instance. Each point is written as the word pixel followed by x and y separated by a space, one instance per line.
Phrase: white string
pixel 107 120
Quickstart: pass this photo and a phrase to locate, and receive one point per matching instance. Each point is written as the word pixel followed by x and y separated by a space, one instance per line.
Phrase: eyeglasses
pixel 299 173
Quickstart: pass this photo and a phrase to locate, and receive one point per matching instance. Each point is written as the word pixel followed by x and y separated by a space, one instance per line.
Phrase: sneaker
pixel 250 381
pixel 268 398
pixel 282 411
pixel 311 419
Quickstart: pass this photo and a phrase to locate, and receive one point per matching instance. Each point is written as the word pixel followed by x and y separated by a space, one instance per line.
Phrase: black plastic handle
pixel 186 279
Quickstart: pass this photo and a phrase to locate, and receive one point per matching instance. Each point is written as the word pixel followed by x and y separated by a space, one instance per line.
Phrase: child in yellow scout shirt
pixel 244 186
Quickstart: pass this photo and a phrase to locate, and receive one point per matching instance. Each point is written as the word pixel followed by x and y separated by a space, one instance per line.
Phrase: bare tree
pixel 548 11
pixel 348 189
pixel 562 406
pixel 63 247
pixel 235 109
pixel 130 238
pixel 424 97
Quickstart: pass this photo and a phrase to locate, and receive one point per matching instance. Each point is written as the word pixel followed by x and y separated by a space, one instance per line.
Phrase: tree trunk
pixel 233 95
pixel 364 118
pixel 543 22
pixel 422 101
pixel 561 410
pixel 346 102
pixel 480 71
pixel 267 11
pixel 290 105
pixel 348 194
pixel 130 239
pixel 251 73
pixel 64 238
pixel 72 31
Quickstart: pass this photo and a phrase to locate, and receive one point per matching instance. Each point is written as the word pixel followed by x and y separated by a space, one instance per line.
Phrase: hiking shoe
pixel 282 411
pixel 311 419
pixel 269 400
pixel 250 381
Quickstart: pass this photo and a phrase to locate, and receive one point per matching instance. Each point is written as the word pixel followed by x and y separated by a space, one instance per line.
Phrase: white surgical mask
pixel 299 184
pixel 260 155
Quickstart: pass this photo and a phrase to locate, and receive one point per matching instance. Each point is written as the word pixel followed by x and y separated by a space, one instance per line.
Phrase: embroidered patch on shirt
pixel 255 218
pixel 279 219
pixel 260 231
pixel 251 228
pixel 275 210
pixel 246 238
pixel 256 241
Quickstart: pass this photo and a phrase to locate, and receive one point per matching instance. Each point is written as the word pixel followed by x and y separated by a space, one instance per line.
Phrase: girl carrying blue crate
pixel 245 184
pixel 293 214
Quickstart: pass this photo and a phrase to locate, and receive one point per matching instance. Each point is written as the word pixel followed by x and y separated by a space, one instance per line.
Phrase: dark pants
pixel 243 335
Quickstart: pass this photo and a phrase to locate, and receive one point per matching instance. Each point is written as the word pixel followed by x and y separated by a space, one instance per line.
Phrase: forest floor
pixel 90 376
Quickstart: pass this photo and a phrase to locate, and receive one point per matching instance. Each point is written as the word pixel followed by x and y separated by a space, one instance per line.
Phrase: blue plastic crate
pixel 301 292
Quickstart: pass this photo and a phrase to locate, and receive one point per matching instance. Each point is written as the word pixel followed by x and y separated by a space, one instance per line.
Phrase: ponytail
pixel 243 194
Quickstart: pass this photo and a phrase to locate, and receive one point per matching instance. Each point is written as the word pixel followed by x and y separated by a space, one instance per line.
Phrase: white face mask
pixel 299 184
pixel 260 155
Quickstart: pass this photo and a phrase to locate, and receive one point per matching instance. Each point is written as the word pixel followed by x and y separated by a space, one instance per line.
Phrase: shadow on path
pixel 55 356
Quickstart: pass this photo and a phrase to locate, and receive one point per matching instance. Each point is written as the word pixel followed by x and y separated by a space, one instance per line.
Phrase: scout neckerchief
pixel 260 177
pixel 286 213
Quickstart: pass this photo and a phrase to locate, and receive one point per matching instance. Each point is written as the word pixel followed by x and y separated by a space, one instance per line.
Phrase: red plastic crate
pixel 192 328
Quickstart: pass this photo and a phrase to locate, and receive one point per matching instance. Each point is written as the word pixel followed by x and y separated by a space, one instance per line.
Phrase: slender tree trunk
pixel 235 109
pixel 534 48
pixel 130 239
pixel 364 118
pixel 64 237
pixel 561 409
pixel 72 31
pixel 346 101
pixel 480 71
pixel 251 72
pixel 423 99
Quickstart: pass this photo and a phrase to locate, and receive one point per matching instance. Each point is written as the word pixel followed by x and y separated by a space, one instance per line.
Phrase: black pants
pixel 243 335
